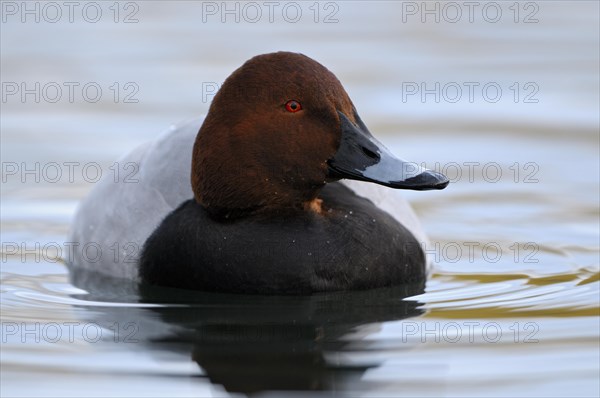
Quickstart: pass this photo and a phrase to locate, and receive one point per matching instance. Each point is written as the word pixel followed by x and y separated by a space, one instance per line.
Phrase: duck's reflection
pixel 253 343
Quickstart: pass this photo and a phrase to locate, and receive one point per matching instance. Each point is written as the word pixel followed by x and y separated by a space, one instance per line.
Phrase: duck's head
pixel 279 129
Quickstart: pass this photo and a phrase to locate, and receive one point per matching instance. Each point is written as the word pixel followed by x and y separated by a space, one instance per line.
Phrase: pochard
pixel 250 198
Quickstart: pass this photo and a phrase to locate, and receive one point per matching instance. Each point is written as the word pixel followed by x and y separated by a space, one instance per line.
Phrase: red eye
pixel 293 106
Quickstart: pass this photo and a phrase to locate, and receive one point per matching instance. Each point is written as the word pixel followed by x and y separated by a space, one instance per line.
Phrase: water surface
pixel 512 305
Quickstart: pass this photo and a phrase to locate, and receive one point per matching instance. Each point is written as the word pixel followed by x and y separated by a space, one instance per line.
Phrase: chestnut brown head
pixel 279 129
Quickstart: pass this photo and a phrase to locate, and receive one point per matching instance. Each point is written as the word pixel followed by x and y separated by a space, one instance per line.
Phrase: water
pixel 513 303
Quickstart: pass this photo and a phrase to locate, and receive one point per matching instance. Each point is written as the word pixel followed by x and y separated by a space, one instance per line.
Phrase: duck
pixel 280 189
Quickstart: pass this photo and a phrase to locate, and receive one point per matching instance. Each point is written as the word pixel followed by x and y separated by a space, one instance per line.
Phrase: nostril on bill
pixel 370 153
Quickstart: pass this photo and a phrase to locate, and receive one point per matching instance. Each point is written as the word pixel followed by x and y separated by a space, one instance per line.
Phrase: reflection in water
pixel 251 343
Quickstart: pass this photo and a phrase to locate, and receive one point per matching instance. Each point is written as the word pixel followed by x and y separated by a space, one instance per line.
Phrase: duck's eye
pixel 293 106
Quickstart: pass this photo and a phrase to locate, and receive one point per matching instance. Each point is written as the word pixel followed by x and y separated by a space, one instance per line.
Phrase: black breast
pixel 352 245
